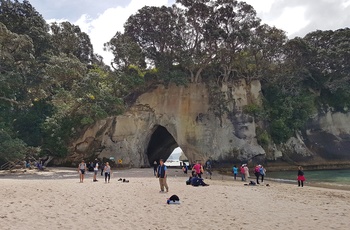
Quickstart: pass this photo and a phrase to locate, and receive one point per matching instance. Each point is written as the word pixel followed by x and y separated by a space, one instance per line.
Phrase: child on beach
pixel 301 177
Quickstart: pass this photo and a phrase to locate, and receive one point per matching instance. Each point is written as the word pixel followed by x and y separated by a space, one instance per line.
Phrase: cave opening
pixel 161 145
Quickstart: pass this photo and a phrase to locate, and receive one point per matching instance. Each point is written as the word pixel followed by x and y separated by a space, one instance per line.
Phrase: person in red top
pixel 301 177
pixel 197 168
pixel 242 170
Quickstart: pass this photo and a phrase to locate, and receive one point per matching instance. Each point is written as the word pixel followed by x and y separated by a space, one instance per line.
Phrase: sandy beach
pixel 55 199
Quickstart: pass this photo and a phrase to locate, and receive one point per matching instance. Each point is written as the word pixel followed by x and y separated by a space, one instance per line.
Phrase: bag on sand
pixel 174 199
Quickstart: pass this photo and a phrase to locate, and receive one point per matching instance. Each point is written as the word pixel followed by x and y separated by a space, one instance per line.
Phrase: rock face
pixel 326 140
pixel 165 118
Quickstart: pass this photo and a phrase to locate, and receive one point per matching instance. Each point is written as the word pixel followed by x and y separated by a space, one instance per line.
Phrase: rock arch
pixel 167 117
pixel 160 145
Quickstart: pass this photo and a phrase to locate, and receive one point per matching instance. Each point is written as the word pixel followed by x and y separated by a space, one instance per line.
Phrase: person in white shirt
pixel 81 170
pixel 95 170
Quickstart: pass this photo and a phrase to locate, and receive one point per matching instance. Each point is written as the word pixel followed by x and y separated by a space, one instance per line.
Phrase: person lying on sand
pixel 196 181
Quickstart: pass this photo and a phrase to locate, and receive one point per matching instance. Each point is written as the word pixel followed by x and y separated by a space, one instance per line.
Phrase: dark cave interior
pixel 161 145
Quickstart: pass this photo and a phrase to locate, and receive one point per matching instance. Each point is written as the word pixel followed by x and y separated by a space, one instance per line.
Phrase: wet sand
pixel 55 199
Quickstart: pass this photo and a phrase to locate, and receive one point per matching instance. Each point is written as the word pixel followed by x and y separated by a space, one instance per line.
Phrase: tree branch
pixel 9 100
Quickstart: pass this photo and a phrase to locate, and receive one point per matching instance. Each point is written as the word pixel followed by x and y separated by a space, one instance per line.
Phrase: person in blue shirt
pixel 262 173
pixel 234 171
pixel 162 174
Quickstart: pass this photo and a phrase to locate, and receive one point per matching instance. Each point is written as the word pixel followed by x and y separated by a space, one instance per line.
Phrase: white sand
pixel 56 200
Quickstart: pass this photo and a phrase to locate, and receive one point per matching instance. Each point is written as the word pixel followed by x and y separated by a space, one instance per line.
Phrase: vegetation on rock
pixel 52 84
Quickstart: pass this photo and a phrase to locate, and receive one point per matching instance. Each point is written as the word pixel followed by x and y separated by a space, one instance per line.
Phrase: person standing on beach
pixel 208 168
pixel 246 171
pixel 155 166
pixel 198 169
pixel 301 177
pixel 243 173
pixel 262 173
pixel 81 170
pixel 95 170
pixel 102 168
pixel 257 173
pixel 107 171
pixel 162 174
pixel 235 172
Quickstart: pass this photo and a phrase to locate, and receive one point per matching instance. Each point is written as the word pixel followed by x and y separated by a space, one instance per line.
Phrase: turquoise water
pixel 339 177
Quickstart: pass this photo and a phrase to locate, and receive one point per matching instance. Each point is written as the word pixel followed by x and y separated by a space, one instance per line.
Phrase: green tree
pixel 22 18
pixel 126 52
pixel 68 39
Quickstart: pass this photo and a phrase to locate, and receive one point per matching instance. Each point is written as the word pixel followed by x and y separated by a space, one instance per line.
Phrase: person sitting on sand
pixel 81 170
pixel 196 181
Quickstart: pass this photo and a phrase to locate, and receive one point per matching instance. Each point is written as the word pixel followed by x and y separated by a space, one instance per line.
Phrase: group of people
pixel 197 171
pixel 160 171
pixel 244 170
pixel 106 168
pixel 260 172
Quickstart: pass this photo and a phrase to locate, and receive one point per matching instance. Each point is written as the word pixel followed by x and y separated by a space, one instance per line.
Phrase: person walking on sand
pixel 262 173
pixel 301 177
pixel 235 172
pixel 257 173
pixel 95 170
pixel 81 170
pixel 162 174
pixel 107 171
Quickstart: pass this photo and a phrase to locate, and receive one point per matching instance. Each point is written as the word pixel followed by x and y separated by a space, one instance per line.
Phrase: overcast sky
pixel 102 19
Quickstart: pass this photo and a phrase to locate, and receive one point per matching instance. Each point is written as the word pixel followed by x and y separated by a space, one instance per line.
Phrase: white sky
pixel 102 19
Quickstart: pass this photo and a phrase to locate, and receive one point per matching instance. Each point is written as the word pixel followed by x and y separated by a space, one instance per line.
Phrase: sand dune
pixel 56 200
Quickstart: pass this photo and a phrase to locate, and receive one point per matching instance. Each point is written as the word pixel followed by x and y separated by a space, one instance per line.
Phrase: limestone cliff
pixel 165 118
pixel 326 140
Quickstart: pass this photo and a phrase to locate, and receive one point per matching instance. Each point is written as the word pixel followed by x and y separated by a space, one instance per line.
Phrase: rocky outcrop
pixel 167 117
pixel 326 140
pixel 164 118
